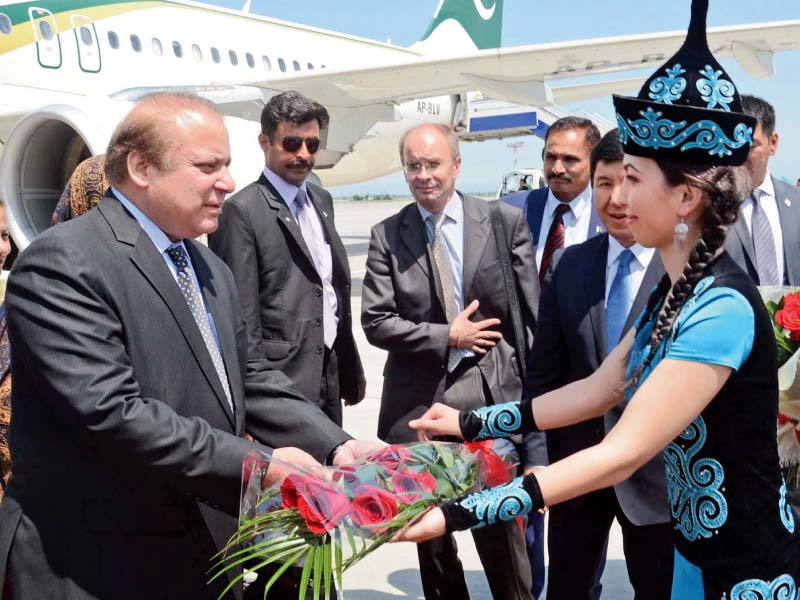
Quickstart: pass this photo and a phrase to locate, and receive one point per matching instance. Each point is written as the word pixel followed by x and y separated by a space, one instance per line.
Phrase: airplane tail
pixel 459 25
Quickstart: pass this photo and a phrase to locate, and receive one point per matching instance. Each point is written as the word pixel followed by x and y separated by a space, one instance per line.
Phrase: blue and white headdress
pixel 689 110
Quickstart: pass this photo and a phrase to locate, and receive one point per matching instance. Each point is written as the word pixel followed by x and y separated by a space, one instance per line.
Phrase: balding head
pixel 152 128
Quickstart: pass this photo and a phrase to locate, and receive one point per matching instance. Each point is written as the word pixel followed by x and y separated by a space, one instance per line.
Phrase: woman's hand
pixel 438 420
pixel 430 525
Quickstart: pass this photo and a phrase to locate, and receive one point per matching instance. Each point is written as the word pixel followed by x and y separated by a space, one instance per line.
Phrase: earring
pixel 681 233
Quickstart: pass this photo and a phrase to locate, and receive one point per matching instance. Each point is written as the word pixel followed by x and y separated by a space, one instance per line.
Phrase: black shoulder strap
pixel 511 286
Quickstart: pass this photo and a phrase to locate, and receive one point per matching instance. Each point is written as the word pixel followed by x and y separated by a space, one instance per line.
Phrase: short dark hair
pixel 609 150
pixel 291 106
pixel 590 130
pixel 761 110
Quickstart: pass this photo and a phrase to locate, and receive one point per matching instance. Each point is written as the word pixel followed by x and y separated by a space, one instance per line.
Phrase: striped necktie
pixel 764 244
pixel 555 239
pixel 441 259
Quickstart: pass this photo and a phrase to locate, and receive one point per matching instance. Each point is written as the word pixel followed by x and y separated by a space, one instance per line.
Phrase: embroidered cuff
pixel 504 503
pixel 497 421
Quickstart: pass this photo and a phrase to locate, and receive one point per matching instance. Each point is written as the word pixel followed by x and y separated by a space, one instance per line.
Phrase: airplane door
pixel 88 45
pixel 45 34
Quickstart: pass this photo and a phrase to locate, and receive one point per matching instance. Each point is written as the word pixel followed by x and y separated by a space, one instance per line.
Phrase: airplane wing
pixel 523 74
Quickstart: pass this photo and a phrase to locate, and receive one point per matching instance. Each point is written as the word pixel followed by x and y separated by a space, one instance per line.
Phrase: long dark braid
pixel 724 189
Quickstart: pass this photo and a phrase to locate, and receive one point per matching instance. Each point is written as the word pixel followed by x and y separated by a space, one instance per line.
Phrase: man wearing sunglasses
pixel 278 237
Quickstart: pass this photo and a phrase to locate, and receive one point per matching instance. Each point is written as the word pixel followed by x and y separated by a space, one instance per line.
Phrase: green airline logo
pixel 483 23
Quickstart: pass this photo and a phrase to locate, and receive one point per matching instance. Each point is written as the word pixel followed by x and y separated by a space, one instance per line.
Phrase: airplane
pixel 70 69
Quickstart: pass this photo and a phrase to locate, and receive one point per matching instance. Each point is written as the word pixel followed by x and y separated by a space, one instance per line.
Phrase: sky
pixel 532 22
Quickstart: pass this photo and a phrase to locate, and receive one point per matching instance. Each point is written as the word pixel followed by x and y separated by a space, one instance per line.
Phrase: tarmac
pixel 392 571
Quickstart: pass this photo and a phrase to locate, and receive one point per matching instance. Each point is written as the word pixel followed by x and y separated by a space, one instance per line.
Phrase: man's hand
pixel 283 463
pixel 362 392
pixel 437 420
pixel 466 335
pixel 352 450
pixel 430 525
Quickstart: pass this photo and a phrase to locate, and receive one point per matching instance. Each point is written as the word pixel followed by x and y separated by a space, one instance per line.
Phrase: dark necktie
pixel 441 259
pixel 555 239
pixel 196 305
pixel 619 301
pixel 764 244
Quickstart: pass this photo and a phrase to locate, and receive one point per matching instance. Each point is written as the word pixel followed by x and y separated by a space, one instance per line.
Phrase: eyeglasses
pixel 415 168
pixel 292 143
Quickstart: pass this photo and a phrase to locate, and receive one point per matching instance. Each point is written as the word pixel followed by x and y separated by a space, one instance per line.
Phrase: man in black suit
pixel 434 296
pixel 278 237
pixel 592 295
pixel 134 380
pixel 764 241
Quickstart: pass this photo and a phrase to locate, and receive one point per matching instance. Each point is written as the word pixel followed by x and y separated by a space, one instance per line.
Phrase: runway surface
pixel 392 571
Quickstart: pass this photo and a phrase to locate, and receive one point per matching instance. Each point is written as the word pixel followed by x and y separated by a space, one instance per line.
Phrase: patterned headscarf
pixel 84 190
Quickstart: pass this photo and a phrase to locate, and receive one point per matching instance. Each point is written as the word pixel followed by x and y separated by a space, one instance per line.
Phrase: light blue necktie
pixel 620 300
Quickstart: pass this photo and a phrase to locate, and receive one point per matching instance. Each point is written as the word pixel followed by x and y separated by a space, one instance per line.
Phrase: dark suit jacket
pixel 127 457
pixel 402 309
pixel 280 289
pixel 532 203
pixel 570 345
pixel 739 243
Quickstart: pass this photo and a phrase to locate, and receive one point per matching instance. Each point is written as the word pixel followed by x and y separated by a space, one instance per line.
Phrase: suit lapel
pixel 150 263
pixel 788 198
pixel 746 240
pixel 412 236
pixel 534 213
pixel 284 216
pixel 476 235
pixel 595 289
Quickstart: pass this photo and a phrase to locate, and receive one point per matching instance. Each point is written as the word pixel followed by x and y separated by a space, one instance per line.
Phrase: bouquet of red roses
pixel 326 520
pixel 783 305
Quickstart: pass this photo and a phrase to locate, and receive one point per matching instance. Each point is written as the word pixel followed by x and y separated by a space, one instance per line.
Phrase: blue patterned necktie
pixel 620 300
pixel 196 305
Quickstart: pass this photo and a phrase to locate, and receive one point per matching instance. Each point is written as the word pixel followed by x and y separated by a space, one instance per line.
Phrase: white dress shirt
pixel 642 258
pixel 288 192
pixel 769 203
pixel 576 221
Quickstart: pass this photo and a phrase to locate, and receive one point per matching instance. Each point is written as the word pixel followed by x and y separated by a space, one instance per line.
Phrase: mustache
pixel 299 164
pixel 562 177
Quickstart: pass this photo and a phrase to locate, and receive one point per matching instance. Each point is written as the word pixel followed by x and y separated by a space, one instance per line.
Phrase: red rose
pixel 373 506
pixel 789 316
pixel 410 486
pixel 494 469
pixel 322 506
pixel 390 457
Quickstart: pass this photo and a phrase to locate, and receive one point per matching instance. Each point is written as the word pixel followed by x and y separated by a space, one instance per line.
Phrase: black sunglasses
pixel 292 143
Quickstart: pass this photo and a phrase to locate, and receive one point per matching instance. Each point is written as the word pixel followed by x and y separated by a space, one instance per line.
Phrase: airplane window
pixel 233 57
pixel 46 30
pixel 158 49
pixel 267 63
pixel 5 24
pixel 214 54
pixel 113 40
pixel 296 65
pixel 282 65
pixel 177 49
pixel 86 36
pixel 136 43
pixel 197 54
pixel 250 60
pixel 310 67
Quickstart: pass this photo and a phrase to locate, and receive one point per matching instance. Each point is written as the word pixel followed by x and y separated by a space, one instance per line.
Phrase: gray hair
pixel 444 130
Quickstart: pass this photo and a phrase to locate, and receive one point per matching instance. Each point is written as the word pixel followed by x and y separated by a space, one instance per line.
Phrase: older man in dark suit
pixel 591 297
pixel 134 380
pixel 765 240
pixel 278 237
pixel 434 297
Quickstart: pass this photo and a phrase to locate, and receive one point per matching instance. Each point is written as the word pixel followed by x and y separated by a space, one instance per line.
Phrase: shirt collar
pixel 642 255
pixel 577 206
pixel 287 190
pixel 766 186
pixel 152 230
pixel 452 209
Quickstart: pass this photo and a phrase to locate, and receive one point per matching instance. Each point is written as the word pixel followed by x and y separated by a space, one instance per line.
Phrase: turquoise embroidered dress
pixel 736 536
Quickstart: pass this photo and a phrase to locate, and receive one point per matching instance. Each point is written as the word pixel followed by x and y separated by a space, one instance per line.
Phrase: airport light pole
pixel 514 147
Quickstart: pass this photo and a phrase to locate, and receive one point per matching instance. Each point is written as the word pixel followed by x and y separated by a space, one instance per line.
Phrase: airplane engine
pixel 40 154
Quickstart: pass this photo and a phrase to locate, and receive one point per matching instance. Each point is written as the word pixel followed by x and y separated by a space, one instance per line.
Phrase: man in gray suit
pixel 592 295
pixel 434 297
pixel 765 240
pixel 134 380
pixel 278 237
